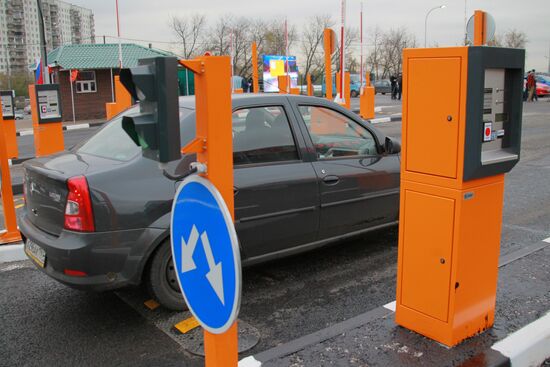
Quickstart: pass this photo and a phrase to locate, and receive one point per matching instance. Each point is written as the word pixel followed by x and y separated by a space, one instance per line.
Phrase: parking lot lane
pixel 44 323
pixel 523 296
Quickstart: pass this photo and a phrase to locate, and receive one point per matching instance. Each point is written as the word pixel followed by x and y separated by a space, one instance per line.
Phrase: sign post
pixel 213 145
pixel 329 46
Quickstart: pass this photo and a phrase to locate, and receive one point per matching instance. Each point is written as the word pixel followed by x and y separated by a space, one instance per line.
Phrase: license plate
pixel 36 253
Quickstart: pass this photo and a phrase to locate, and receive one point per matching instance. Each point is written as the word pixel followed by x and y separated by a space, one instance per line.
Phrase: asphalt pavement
pixel 45 323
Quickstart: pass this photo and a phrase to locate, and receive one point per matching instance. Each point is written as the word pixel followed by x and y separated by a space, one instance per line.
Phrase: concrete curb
pixel 528 346
pixel 65 128
pixel 396 117
pixel 13 252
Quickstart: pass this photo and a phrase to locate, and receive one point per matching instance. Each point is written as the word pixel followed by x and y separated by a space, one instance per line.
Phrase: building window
pixel 85 82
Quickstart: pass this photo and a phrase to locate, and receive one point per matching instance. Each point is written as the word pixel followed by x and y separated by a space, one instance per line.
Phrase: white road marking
pixel 547 240
pixel 529 346
pixel 380 119
pixel 26 132
pixel 249 361
pixel 390 306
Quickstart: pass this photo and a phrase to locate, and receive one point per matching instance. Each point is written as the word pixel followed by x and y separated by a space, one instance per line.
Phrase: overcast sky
pixel 147 19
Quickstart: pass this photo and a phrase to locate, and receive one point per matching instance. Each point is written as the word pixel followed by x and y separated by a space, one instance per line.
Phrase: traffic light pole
pixel 213 145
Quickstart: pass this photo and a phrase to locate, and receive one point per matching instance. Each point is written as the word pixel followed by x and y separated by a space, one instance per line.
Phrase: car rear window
pixel 112 141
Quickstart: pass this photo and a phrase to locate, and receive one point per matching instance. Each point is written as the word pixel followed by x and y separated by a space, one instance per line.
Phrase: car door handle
pixel 331 180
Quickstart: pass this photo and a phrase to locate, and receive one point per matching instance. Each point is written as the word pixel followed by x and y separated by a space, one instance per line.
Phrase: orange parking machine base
pixel 48 137
pixel 10 134
pixel 347 90
pixel 366 103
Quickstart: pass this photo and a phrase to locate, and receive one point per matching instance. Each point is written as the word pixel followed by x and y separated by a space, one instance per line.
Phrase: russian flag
pixel 38 76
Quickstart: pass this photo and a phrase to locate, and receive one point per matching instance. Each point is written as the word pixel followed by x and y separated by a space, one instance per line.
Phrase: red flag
pixel 74 75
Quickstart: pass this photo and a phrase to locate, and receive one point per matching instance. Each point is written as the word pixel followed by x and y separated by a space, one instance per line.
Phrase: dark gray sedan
pixel 307 173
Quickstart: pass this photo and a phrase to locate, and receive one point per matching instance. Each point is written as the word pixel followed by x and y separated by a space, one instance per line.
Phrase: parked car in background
pixel 542 85
pixel 307 173
pixel 382 86
pixel 355 85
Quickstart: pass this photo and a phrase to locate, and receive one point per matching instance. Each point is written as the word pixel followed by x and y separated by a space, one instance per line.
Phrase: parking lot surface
pixel 45 323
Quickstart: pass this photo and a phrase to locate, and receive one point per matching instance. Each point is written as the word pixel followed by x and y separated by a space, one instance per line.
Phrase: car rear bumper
pixel 110 260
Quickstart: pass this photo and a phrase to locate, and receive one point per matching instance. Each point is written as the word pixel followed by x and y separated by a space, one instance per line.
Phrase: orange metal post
pixel 11 233
pixel 480 28
pixel 48 138
pixel 282 82
pixel 327 39
pixel 215 149
pixel 255 84
pixel 347 89
pixel 366 100
pixel 123 100
pixel 294 90
pixel 309 85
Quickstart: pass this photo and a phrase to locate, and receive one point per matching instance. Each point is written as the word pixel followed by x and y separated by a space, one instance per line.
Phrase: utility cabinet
pixel 461 132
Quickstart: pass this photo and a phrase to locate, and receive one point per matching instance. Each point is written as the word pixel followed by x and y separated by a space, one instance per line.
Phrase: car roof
pixel 251 98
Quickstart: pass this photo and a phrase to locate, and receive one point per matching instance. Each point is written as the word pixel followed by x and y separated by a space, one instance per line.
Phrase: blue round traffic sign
pixel 206 254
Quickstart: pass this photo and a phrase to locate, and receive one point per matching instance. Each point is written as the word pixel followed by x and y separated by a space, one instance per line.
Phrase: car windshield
pixel 112 141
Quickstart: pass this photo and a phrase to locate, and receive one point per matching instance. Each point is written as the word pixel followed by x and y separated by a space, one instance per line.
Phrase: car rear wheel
pixel 162 281
pixel 354 94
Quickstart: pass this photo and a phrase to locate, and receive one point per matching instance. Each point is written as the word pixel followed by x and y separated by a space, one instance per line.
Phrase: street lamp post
pixel 426 22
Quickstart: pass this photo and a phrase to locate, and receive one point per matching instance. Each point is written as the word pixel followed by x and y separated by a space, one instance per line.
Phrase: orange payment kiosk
pixel 46 118
pixel 8 120
pixel 456 148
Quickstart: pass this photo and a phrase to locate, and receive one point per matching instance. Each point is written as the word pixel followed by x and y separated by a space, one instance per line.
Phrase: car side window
pixel 334 135
pixel 262 135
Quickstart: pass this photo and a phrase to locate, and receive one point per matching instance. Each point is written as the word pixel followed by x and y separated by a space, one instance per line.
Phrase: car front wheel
pixel 162 281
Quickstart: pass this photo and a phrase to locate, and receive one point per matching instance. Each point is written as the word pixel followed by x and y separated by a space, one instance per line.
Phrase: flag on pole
pixel 74 75
pixel 38 76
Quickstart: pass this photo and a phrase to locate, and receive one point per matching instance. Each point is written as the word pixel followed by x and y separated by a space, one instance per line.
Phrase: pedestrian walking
pixel 244 85
pixel 531 85
pixel 393 81
pixel 251 85
pixel 399 86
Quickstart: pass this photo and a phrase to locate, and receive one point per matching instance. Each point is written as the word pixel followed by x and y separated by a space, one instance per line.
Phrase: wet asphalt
pixel 45 323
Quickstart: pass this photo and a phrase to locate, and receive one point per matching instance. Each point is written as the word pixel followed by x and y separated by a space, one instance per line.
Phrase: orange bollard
pixel 255 84
pixel 123 100
pixel 8 106
pixel 295 91
pixel 46 121
pixel 11 233
pixel 329 44
pixel 347 89
pixel 214 144
pixel 238 91
pixel 283 84
pixel 309 85
pixel 366 100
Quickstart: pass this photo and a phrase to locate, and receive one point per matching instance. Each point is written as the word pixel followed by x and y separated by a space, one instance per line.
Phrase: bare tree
pixel 189 31
pixel 374 58
pixel 311 43
pixel 219 36
pixel 512 38
pixel 391 49
pixel 275 37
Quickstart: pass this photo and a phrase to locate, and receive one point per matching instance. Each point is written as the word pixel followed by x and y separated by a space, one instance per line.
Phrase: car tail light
pixel 74 273
pixel 78 210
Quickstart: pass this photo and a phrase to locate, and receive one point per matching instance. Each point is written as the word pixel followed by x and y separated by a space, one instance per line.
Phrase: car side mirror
pixel 391 146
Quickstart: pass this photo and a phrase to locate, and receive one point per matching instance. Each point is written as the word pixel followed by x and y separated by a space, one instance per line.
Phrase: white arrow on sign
pixel 214 275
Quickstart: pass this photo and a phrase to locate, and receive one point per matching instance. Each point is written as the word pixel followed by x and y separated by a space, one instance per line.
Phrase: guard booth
pixel 457 146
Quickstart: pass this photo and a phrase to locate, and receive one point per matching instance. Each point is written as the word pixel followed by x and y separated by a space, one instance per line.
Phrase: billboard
pixel 273 66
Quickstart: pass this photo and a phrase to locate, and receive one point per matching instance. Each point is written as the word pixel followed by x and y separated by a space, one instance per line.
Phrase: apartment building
pixel 64 23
